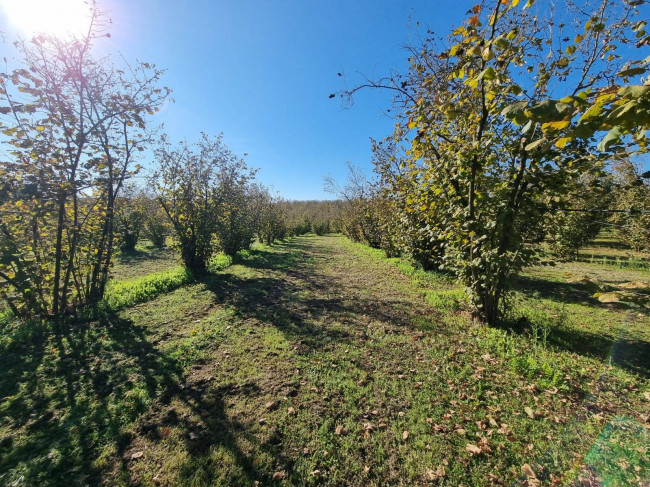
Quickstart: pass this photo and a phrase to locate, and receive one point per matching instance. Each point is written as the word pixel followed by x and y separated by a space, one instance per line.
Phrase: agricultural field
pixel 417 254
pixel 318 361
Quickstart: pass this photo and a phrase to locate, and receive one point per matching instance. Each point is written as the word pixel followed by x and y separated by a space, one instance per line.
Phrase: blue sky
pixel 261 72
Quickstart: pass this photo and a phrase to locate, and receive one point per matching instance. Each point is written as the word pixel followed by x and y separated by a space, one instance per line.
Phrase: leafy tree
pixel 500 116
pixel 202 190
pixel 130 210
pixel 156 223
pixel 73 125
pixel 581 216
pixel 272 218
pixel 632 196
pixel 236 220
pixel 365 215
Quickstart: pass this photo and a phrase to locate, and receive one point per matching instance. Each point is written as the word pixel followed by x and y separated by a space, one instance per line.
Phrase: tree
pixel 74 125
pixel 581 216
pixel 201 189
pixel 500 117
pixel 365 214
pixel 130 214
pixel 632 197
pixel 236 220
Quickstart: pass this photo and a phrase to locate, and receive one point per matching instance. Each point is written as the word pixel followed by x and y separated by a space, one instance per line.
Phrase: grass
pixel 320 362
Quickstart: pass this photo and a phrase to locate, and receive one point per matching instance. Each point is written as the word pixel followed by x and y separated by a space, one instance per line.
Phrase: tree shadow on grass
pixel 72 395
pixel 135 256
pixel 561 292
pixel 305 305
pixel 69 394
pixel 623 349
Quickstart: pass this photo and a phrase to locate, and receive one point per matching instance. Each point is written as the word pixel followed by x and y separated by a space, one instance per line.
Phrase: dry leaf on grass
pixel 528 471
pixel 473 449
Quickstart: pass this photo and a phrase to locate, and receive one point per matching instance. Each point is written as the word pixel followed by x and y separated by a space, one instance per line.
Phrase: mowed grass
pixel 320 362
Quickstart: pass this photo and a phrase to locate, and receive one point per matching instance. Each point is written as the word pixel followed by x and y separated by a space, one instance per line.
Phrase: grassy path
pixel 314 362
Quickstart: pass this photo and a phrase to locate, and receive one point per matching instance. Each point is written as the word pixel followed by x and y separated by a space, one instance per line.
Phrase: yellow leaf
pixel 558 125
pixel 40 128
pixel 562 142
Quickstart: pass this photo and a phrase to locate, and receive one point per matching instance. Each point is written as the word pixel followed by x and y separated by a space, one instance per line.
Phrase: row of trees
pixel 73 129
pixel 498 132
pixel 255 213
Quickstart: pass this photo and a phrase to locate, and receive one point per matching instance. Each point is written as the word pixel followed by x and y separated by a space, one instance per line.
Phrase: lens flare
pixel 61 18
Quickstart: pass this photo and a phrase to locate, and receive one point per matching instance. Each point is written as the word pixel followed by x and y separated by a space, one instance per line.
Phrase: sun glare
pixel 61 18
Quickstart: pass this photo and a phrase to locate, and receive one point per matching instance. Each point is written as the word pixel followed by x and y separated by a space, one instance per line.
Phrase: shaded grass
pixel 310 360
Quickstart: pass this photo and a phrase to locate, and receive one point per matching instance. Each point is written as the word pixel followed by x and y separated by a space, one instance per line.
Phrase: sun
pixel 61 18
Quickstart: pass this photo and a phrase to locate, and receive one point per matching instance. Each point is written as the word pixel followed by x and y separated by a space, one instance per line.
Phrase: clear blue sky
pixel 261 72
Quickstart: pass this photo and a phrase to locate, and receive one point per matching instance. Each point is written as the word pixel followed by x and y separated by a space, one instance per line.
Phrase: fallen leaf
pixel 473 449
pixel 405 435
pixel 136 455
pixel 647 396
pixel 165 432
pixel 528 471
pixel 277 476
pixel 529 412
pixel 339 430
pixel 291 411
pixel 271 405
pixel 366 469
pixel 262 421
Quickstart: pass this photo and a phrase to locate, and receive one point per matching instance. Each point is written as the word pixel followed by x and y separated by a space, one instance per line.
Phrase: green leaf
pixel 548 111
pixel 488 73
pixel 610 139
pixel 631 72
pixel 537 143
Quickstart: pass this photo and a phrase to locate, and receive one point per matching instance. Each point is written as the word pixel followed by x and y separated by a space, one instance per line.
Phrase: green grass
pixel 320 362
